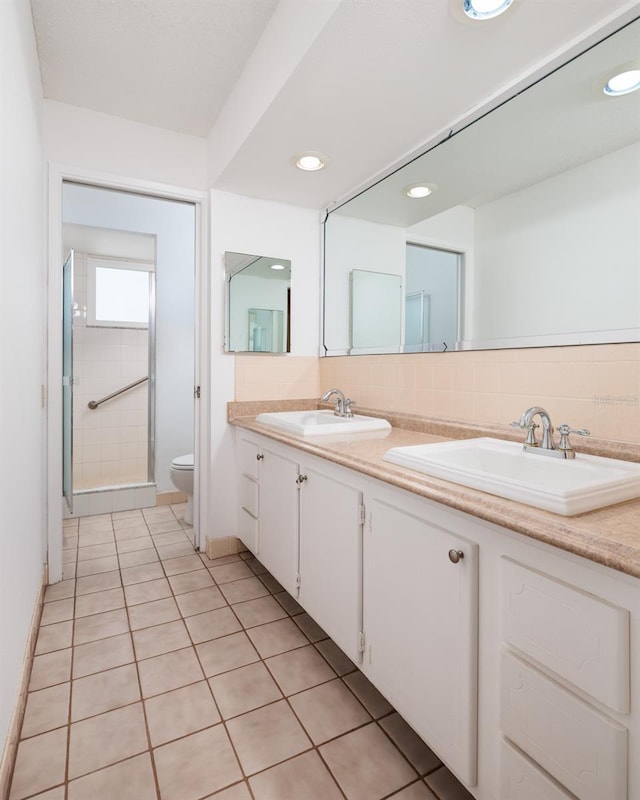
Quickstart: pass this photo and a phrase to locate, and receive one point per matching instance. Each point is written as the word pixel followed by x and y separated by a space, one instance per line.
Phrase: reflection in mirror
pixel 375 317
pixel 538 206
pixel 258 304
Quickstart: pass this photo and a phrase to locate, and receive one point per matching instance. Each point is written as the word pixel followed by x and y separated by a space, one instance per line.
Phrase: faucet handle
pixel 564 430
pixel 531 432
pixel 347 406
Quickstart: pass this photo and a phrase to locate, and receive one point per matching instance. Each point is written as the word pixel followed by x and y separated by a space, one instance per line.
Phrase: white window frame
pixel 93 262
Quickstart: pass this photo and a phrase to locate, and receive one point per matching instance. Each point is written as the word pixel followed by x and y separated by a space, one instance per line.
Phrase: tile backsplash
pixel 588 386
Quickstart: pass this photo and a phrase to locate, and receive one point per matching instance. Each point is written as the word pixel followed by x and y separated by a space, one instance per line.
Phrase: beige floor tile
pixel 98 602
pixel 154 613
pixel 104 691
pixel 173 537
pixel 259 611
pixel 225 573
pixel 228 652
pixel 46 709
pixel 100 535
pixel 164 527
pixel 446 786
pixel 244 689
pixel 175 566
pixel 146 572
pixel 169 671
pixel 303 777
pixel 328 710
pixel 137 558
pixel 368 695
pixel 100 626
pixel 133 545
pixel 190 581
pixel 277 637
pixel 417 791
pixel 409 743
pixel 54 637
pixel 267 736
pixel 40 764
pixel 59 591
pixel 212 625
pixel 160 639
pixel 69 555
pixel 338 660
pixel 132 513
pixel 291 606
pixel 98 583
pixel 299 669
pixel 57 611
pixel 68 571
pixel 97 565
pixel 207 599
pixel 147 591
pixel 366 765
pixel 130 780
pixel 103 740
pixel 237 792
pixel 85 553
pixel 52 794
pixel 102 654
pixel 192 767
pixel 126 523
pixel 310 628
pixel 180 712
pixel 217 562
pixel 167 551
pixel 139 531
pixel 49 669
pixel 245 589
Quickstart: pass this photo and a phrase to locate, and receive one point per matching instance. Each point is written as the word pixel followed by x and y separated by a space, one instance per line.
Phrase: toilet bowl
pixel 181 473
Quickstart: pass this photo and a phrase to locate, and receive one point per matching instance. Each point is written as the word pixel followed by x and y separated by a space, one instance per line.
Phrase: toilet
pixel 181 473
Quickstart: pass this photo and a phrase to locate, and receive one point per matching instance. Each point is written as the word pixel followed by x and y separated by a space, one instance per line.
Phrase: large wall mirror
pixel 258 304
pixel 528 231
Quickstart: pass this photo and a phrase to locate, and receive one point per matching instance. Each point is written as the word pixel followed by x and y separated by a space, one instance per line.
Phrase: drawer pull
pixel 301 478
pixel 259 457
pixel 455 556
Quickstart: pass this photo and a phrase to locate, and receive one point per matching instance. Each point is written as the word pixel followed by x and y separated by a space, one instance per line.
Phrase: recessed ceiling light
pixel 417 190
pixel 310 161
pixel 485 9
pixel 623 83
pixel 278 266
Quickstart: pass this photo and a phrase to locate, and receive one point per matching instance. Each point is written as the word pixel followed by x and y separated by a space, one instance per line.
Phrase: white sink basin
pixel 565 486
pixel 316 423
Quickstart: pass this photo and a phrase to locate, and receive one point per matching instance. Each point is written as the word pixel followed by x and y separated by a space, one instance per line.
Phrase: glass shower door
pixel 67 381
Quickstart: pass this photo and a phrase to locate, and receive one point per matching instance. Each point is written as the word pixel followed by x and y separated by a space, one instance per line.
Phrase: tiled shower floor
pixel 162 674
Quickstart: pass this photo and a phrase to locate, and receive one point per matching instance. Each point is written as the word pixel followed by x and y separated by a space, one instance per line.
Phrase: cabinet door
pixel 420 623
pixel 278 537
pixel 330 555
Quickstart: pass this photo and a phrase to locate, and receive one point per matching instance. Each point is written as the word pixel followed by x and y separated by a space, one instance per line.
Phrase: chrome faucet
pixel 547 447
pixel 343 404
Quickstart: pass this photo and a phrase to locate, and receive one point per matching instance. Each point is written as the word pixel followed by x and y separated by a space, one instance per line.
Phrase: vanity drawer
pixel 248 531
pixel 248 491
pixel 580 637
pixel 248 457
pixel 581 748
pixel 521 779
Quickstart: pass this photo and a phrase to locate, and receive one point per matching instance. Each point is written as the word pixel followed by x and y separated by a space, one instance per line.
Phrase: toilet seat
pixel 183 462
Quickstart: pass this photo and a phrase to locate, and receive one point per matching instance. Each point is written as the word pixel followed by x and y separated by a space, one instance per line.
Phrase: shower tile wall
pixel 110 442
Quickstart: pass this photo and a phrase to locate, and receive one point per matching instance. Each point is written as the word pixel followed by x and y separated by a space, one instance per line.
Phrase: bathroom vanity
pixel 506 636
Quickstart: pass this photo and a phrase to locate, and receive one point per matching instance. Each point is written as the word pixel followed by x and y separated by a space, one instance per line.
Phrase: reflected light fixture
pixel 278 266
pixel 485 9
pixel 310 161
pixel 418 190
pixel 622 83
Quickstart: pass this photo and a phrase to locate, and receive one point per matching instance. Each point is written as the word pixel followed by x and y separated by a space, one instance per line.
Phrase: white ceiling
pixel 371 82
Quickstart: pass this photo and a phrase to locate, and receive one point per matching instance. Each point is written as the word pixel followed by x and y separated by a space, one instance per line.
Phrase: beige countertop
pixel 609 536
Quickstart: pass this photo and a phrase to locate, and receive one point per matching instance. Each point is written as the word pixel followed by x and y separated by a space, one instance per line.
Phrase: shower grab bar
pixel 92 404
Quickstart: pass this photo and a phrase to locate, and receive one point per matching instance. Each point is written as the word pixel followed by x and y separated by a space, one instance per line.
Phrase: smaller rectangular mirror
pixel 258 304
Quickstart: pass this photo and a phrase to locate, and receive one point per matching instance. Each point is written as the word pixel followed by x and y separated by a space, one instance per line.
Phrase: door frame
pixel 57 175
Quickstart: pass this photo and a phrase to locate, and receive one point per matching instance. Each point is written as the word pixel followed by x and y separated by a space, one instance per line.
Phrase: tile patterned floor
pixel 162 675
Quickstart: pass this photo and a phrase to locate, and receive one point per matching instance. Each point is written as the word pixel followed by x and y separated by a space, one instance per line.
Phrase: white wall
pixel 532 248
pixel 173 224
pixel 22 538
pixel 246 225
pixel 350 244
pixel 103 143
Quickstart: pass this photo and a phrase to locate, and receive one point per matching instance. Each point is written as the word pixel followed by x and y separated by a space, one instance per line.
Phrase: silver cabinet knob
pixel 455 556
pixel 301 478
pixel 259 457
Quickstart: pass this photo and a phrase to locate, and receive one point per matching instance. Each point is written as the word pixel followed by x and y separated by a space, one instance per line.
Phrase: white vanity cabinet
pixel 421 623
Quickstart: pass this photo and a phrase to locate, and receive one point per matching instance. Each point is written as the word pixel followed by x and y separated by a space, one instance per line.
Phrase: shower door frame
pixel 58 175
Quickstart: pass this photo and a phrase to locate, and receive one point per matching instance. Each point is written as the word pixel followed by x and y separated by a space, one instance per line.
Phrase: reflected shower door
pixel 67 381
